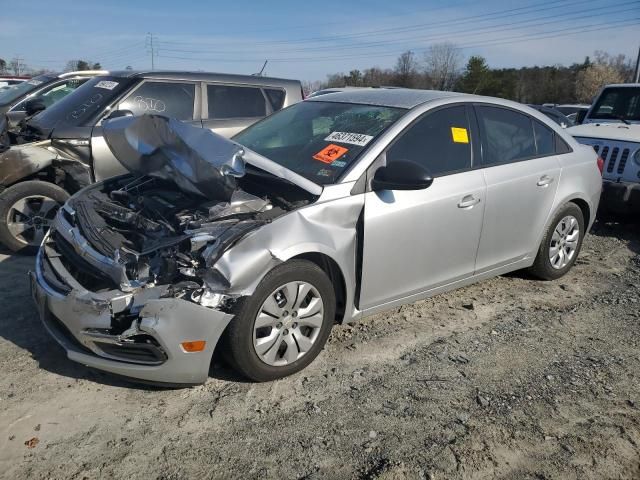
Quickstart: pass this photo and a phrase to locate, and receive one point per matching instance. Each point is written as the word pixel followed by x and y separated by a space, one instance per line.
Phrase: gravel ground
pixel 509 378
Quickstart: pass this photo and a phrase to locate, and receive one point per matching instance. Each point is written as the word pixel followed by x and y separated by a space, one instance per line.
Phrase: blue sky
pixel 308 40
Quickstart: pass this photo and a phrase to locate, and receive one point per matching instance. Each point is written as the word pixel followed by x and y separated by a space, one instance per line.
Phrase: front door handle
pixel 468 201
pixel 545 181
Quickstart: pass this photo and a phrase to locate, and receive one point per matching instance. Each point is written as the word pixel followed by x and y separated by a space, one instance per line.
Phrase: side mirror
pixel 401 175
pixel 34 106
pixel 119 113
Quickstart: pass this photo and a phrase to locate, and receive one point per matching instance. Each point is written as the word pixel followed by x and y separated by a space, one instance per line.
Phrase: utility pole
pixel 636 74
pixel 18 67
pixel 152 49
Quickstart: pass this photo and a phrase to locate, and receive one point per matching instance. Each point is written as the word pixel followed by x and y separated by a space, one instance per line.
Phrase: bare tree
pixel 442 65
pixel 309 87
pixel 77 65
pixel 593 78
pixel 605 68
pixel 3 65
pixel 406 70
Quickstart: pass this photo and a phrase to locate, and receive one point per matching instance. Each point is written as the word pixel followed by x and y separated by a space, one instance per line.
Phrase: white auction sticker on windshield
pixel 106 84
pixel 359 139
pixel 34 82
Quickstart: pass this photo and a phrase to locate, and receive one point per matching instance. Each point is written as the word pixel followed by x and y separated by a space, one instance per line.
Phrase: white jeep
pixel 612 128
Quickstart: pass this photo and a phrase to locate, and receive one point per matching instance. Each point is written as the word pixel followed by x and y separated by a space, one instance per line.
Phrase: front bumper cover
pixel 621 197
pixel 150 350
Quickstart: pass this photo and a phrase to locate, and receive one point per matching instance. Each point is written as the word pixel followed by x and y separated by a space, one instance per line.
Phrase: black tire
pixel 542 267
pixel 239 348
pixel 17 192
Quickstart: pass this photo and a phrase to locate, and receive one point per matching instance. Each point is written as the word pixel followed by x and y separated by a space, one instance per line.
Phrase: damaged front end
pixel 125 280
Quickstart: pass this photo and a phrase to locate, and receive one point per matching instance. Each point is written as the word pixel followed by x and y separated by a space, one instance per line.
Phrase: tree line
pixel 15 67
pixel 442 67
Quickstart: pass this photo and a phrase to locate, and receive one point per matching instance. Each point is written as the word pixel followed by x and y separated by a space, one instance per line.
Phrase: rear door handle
pixel 545 181
pixel 468 201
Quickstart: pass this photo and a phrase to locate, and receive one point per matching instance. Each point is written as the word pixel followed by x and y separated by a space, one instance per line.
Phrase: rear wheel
pixel 27 209
pixel 284 325
pixel 561 244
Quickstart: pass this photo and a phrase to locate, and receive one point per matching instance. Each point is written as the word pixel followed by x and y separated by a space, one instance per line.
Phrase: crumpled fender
pixel 21 161
pixel 327 228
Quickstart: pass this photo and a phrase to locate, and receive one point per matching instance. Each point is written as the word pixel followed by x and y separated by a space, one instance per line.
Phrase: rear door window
pixel 228 101
pixel 507 136
pixel 173 100
pixel 440 141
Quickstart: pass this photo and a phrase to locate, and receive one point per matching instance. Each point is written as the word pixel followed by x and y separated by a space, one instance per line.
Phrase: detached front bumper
pixel 150 349
pixel 621 197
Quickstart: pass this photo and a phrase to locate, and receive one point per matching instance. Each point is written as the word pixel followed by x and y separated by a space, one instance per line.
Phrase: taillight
pixel 600 165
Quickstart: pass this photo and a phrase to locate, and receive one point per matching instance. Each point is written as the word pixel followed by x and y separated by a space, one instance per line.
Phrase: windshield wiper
pixel 622 118
pixel 258 172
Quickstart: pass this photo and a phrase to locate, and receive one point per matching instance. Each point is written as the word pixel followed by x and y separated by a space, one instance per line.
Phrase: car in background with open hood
pixel 67 151
pixel 335 208
pixel 29 97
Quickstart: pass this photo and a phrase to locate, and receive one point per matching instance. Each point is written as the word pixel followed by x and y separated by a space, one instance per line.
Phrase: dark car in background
pixel 574 111
pixel 554 114
pixel 67 151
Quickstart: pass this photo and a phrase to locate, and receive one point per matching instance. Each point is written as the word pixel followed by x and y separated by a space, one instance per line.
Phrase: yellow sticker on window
pixel 459 135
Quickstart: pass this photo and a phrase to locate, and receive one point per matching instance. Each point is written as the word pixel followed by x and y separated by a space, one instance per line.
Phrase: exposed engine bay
pixel 161 234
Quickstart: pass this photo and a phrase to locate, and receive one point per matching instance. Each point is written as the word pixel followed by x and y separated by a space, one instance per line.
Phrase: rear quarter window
pixel 227 101
pixel 545 143
pixel 276 97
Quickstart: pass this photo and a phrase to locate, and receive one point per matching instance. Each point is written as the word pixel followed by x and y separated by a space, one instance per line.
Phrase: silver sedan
pixel 335 208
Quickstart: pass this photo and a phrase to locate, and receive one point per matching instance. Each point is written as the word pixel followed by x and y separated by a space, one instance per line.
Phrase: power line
pixel 500 14
pixel 491 42
pixel 462 33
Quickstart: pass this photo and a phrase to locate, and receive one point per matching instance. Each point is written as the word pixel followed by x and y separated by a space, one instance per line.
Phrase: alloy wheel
pixel 288 323
pixel 564 242
pixel 29 218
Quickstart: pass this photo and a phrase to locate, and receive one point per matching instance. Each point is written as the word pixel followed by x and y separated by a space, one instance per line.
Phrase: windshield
pixel 318 140
pixel 14 92
pixel 83 104
pixel 617 103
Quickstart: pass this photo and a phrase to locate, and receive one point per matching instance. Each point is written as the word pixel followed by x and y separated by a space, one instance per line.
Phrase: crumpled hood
pixel 612 131
pixel 197 160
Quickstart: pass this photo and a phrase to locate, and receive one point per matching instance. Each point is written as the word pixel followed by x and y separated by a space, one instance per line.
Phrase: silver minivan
pixel 335 208
pixel 67 149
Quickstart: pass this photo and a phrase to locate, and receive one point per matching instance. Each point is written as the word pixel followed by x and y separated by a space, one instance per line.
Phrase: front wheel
pixel 284 325
pixel 561 244
pixel 26 212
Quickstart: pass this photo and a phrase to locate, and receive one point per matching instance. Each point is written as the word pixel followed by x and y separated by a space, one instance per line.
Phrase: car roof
pixel 623 85
pixel 394 97
pixel 204 76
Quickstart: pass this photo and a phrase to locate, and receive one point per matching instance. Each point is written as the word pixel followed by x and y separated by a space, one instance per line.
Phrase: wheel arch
pixel 585 208
pixel 581 202
pixel 334 272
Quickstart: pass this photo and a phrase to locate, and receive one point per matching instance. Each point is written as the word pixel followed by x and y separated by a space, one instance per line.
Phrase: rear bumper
pixel 150 349
pixel 620 197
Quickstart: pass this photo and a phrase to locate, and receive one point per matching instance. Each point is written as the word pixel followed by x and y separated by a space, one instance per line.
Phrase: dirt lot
pixel 510 378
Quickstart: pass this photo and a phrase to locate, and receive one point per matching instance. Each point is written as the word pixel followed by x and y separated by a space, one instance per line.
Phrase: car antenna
pixel 264 65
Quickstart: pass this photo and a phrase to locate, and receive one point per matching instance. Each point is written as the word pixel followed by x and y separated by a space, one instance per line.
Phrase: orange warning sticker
pixel 330 153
